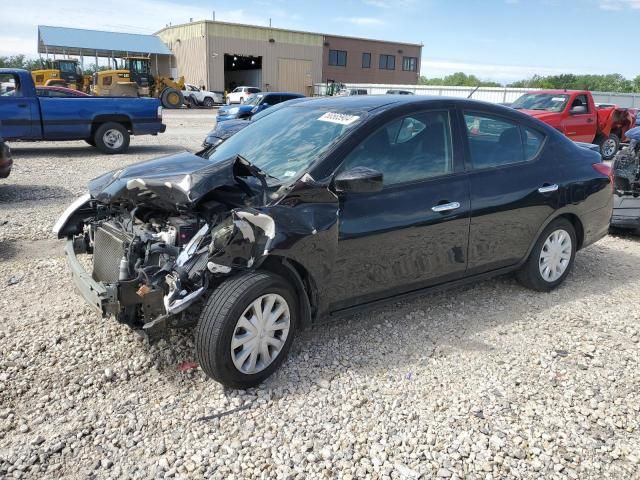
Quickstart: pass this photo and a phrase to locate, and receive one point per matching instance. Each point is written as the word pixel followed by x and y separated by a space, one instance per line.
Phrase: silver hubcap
pixel 260 333
pixel 113 138
pixel 555 255
pixel 609 147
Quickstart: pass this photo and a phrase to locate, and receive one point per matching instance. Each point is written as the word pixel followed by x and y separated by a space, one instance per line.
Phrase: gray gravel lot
pixel 489 381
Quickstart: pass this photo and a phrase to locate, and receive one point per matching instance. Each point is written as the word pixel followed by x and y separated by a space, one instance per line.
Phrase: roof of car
pixel 373 102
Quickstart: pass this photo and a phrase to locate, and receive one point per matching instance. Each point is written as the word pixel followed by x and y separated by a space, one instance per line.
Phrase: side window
pixel 581 101
pixel 532 143
pixel 407 149
pixel 10 85
pixel 495 141
pixel 254 90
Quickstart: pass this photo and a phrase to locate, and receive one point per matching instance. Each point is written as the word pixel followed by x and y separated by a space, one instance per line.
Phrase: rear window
pixel 496 141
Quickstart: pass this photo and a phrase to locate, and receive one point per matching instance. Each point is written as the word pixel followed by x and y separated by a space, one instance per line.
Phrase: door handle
pixel 446 207
pixel 548 188
pixel 589 120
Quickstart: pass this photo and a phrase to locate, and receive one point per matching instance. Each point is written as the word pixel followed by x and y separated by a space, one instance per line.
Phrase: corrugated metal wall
pixel 487 94
pixel 188 44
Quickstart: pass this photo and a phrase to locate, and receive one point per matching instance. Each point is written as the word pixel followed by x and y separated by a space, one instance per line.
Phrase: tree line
pixel 613 82
pixel 21 61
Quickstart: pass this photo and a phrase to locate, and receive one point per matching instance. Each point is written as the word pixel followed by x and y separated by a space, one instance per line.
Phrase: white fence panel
pixel 487 94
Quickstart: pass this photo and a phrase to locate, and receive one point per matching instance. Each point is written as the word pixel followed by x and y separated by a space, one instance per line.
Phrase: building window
pixel 387 62
pixel 338 58
pixel 366 60
pixel 410 64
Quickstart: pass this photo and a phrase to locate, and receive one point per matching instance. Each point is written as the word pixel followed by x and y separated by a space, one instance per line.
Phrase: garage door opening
pixel 242 71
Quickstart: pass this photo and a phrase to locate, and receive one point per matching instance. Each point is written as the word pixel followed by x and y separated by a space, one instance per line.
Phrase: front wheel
pixel 609 146
pixel 111 137
pixel 208 102
pixel 551 258
pixel 171 98
pixel 246 329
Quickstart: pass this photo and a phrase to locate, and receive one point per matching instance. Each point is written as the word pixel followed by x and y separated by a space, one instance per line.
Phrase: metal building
pixel 223 55
pixel 220 56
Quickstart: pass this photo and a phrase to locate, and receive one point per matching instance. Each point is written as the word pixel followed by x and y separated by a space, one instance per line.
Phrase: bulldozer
pixel 134 78
pixel 61 73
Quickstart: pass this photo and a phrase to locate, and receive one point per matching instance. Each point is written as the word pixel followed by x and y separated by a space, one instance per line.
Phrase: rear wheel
pixel 208 102
pixel 551 258
pixel 111 137
pixel 171 98
pixel 246 329
pixel 609 146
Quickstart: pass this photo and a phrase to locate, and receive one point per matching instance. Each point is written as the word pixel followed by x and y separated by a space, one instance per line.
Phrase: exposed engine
pixel 626 167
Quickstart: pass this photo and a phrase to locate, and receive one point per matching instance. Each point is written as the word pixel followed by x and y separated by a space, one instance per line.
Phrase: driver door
pixel 414 232
pixel 581 127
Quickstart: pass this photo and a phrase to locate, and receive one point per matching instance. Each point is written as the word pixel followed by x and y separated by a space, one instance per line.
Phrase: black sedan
pixel 327 206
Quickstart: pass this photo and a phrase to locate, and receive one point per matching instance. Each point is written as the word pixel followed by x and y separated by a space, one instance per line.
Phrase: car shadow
pixel 432 324
pixel 19 150
pixel 24 193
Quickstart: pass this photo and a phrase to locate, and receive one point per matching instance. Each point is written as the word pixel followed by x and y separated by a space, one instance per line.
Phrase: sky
pixel 500 40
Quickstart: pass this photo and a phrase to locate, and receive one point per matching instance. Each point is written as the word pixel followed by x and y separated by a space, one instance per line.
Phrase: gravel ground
pixel 491 381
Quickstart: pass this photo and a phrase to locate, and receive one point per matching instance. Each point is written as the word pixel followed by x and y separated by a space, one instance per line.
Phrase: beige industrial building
pixel 221 55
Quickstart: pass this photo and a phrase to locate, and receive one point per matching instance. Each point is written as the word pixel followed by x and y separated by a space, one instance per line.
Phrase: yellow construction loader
pixel 168 90
pixel 61 73
pixel 134 78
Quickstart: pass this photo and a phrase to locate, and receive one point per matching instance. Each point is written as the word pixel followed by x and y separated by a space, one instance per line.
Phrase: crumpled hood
pixel 171 183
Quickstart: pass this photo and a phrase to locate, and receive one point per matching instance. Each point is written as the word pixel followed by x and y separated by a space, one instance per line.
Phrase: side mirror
pixel 358 180
pixel 578 110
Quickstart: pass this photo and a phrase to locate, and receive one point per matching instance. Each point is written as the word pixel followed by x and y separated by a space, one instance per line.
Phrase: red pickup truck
pixel 575 114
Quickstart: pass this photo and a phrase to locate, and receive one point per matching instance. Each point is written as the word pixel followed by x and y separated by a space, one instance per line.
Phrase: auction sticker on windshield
pixel 339 118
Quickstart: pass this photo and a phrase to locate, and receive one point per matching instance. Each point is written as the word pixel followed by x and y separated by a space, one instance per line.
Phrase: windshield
pixel 138 66
pixel 287 142
pixel 253 99
pixel 68 67
pixel 541 101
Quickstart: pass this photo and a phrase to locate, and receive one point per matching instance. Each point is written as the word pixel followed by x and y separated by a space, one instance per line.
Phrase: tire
pixel 220 321
pixel 90 141
pixel 208 102
pixel 241 100
pixel 111 137
pixel 609 146
pixel 530 274
pixel 171 98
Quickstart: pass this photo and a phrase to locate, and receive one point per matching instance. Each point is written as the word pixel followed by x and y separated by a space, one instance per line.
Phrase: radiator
pixel 110 244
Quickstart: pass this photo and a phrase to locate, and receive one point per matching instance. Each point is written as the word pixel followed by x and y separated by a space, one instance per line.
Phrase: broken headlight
pixel 221 235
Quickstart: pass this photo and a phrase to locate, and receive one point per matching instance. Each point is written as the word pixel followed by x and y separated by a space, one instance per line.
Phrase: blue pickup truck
pixel 103 122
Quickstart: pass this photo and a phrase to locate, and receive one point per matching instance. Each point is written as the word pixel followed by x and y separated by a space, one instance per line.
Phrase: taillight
pixel 160 113
pixel 604 169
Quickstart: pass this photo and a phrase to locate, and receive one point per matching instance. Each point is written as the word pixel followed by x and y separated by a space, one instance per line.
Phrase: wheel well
pixel 577 225
pixel 300 279
pixel 101 119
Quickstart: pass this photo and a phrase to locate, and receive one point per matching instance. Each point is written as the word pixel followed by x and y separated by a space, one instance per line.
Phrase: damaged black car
pixel 325 207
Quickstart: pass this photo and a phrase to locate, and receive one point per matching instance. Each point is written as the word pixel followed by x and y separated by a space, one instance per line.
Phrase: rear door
pixel 19 114
pixel 513 188
pixel 414 232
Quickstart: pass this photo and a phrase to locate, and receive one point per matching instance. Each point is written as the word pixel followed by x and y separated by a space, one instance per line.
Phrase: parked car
pixel 400 92
pixel 47 91
pixel 104 122
pixel 196 96
pixel 254 104
pixel 574 113
pixel 626 194
pixel 6 161
pixel 240 94
pixel 226 129
pixel 346 92
pixel 327 206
